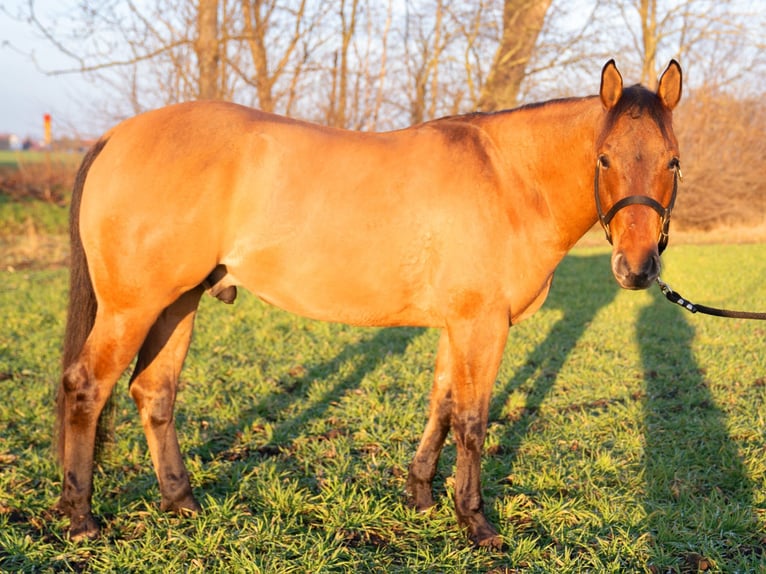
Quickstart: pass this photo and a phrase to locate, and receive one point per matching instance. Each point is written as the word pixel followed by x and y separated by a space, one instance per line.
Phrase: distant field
pixel 626 435
pixel 34 192
pixel 12 159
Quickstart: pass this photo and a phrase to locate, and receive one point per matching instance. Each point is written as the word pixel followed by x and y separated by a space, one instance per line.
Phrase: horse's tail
pixel 81 313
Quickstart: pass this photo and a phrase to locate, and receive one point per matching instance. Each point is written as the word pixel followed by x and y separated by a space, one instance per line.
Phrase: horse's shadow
pixel 299 397
pixel 588 275
pixel 696 481
pixel 688 454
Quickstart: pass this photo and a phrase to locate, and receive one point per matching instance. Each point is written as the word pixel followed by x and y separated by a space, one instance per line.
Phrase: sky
pixel 27 92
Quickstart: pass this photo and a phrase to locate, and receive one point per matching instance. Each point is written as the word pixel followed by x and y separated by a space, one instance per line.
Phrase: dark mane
pixel 546 103
pixel 636 100
pixel 470 116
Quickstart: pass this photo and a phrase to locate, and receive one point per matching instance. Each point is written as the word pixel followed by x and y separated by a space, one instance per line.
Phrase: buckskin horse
pixel 456 223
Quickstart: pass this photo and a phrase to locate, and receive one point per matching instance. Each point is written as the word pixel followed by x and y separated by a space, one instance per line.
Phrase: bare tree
pixel 274 33
pixel 522 22
pixel 154 54
pixel 704 34
pixel 724 159
pixel 376 85
pixel 338 101
pixel 423 48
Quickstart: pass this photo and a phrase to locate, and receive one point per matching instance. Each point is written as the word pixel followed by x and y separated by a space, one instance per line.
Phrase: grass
pixel 625 435
pixel 18 217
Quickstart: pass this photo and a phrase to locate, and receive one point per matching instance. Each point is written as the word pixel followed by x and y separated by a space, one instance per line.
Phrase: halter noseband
pixel 663 212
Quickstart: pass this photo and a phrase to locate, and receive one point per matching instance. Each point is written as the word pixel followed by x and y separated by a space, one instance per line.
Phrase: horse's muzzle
pixel 635 275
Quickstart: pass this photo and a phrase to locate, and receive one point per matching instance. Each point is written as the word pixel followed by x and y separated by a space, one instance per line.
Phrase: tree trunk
pixel 649 36
pixel 206 47
pixel 337 116
pixel 255 30
pixel 522 23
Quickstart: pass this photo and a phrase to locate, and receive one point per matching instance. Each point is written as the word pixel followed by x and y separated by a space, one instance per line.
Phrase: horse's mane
pixel 471 116
pixel 636 101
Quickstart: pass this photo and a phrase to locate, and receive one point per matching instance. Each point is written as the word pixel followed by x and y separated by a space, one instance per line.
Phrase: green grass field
pixel 626 435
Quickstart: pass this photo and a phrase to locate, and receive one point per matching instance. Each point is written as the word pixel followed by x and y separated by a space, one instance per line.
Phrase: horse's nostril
pixel 619 264
pixel 653 268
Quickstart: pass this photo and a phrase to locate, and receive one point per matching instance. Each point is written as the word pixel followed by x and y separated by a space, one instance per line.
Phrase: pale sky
pixel 27 93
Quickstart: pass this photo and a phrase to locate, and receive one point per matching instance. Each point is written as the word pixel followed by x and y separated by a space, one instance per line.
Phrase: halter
pixel 664 212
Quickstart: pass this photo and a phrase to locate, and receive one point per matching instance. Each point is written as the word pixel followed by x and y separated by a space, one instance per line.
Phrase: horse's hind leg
pixel 153 388
pixel 86 386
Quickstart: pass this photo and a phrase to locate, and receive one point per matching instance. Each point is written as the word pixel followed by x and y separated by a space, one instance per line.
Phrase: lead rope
pixel 675 297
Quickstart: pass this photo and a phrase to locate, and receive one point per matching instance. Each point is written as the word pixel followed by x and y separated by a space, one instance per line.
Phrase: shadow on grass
pixel 699 500
pixel 368 354
pixel 589 275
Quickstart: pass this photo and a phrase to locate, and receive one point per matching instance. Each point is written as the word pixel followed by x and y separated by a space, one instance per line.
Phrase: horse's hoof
pixel 492 542
pixel 482 533
pixel 419 494
pixel 421 501
pixel 83 528
pixel 184 507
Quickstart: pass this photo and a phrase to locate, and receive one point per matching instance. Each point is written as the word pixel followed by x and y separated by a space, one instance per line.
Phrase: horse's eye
pixel 674 163
pixel 604 161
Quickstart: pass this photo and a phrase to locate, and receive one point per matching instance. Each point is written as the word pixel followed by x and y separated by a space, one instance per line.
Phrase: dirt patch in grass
pixel 34 251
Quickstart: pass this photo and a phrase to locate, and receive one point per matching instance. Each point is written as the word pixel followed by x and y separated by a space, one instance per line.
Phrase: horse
pixel 456 223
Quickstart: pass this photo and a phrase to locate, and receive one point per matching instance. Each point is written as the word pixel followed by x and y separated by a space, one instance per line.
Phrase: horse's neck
pixel 552 149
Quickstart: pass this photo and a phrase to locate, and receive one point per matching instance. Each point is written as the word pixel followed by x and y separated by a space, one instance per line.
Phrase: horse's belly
pixel 370 289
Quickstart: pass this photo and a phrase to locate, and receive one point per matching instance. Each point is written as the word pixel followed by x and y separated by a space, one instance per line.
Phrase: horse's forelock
pixel 637 101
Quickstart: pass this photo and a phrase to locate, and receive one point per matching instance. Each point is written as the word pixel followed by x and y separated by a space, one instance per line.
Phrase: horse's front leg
pixel 476 348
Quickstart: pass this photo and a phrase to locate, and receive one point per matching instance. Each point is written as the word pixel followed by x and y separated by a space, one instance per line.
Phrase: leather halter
pixel 663 212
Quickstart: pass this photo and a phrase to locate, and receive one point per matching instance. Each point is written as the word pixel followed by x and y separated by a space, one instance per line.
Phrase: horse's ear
pixel 611 85
pixel 669 89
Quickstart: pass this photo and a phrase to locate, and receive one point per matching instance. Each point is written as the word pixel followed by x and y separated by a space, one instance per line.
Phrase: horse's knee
pixel 154 401
pixel 469 432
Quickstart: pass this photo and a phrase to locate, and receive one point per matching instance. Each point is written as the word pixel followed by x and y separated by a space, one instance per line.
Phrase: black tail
pixel 81 313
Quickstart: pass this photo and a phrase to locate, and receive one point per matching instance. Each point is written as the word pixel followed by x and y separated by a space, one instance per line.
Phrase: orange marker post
pixel 47 129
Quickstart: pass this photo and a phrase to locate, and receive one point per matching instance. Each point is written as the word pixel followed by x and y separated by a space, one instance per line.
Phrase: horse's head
pixel 637 171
